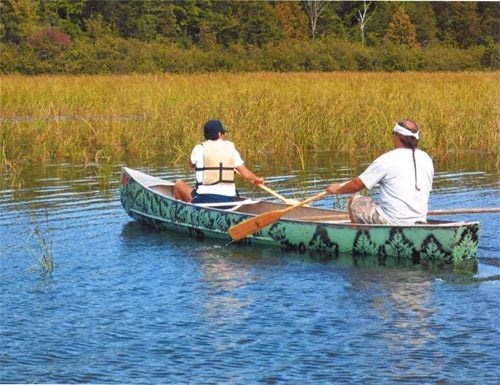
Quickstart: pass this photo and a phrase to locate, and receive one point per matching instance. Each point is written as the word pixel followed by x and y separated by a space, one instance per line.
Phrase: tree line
pixel 109 36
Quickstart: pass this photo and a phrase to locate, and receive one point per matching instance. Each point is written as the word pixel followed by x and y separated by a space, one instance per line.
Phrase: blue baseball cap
pixel 212 129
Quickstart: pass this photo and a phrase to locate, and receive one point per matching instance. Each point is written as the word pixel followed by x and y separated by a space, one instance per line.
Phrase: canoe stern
pixel 430 245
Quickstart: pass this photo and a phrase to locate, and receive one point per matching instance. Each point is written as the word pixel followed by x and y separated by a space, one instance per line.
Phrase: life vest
pixel 218 160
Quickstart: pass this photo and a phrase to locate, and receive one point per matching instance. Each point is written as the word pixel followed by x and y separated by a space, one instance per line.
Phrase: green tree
pixel 214 18
pixel 489 13
pixel 423 17
pixel 18 20
pixel 330 24
pixel 459 23
pixel 491 56
pixel 376 29
pixel 259 25
pixel 225 22
pixel 350 16
pixel 401 31
pixel 64 15
pixel 135 19
pixel 96 28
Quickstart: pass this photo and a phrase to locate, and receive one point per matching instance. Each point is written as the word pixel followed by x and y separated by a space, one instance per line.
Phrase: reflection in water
pixel 404 301
pixel 410 296
pixel 225 274
pixel 130 304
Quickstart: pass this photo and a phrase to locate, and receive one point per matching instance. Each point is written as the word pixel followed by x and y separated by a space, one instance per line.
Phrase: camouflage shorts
pixel 364 210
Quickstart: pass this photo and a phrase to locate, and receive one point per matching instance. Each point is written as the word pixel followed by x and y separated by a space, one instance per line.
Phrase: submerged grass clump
pixel 269 115
pixel 43 253
pixel 41 249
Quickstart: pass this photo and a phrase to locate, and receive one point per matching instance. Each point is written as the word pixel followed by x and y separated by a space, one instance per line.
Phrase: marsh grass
pixel 41 249
pixel 271 116
pixel 43 253
pixel 105 172
pixel 10 172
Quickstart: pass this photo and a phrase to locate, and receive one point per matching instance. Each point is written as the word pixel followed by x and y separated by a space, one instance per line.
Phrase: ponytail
pixel 412 143
pixel 415 168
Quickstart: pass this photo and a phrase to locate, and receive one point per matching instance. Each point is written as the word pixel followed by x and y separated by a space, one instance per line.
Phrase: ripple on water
pixel 127 304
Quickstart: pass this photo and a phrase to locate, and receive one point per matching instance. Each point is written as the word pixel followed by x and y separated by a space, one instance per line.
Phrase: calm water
pixel 126 304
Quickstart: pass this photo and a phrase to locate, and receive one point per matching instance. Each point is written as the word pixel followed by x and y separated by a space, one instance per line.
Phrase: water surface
pixel 127 304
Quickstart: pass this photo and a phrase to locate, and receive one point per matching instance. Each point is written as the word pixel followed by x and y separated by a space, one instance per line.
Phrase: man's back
pixel 400 200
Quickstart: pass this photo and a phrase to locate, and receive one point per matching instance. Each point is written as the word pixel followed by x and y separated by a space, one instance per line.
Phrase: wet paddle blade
pixel 252 225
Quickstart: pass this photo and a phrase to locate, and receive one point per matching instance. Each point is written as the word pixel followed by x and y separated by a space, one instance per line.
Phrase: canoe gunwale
pixel 161 182
pixel 450 241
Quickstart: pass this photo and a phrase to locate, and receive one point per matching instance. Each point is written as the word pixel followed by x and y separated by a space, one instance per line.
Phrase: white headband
pixel 404 131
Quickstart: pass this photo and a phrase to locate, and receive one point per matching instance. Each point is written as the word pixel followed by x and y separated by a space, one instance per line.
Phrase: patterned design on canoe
pixel 322 242
pixel 399 247
pixel 432 252
pixel 467 239
pixel 319 240
pixel 363 245
pixel 428 246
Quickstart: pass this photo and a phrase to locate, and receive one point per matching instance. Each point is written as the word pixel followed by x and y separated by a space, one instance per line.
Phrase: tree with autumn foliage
pixel 95 36
pixel 401 31
pixel 292 19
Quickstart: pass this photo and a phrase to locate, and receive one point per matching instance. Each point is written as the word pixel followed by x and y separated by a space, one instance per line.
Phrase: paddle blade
pixel 252 225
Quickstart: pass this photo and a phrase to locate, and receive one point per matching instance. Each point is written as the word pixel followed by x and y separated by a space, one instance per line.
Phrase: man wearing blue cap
pixel 214 161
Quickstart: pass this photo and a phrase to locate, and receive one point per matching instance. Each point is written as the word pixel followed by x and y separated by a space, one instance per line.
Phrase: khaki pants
pixel 364 210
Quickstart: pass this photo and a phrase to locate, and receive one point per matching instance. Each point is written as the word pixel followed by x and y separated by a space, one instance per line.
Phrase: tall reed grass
pixel 272 117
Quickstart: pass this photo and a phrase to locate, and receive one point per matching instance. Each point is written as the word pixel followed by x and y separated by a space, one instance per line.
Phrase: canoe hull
pixel 451 243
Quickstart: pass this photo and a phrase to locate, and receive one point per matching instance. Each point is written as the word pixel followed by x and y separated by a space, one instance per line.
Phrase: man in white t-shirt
pixel 214 162
pixel 404 176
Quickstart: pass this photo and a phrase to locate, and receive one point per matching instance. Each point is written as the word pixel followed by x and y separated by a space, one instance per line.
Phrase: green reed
pixel 42 250
pixel 43 253
pixel 270 116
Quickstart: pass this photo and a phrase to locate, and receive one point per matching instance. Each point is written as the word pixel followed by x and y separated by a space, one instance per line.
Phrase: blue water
pixel 127 304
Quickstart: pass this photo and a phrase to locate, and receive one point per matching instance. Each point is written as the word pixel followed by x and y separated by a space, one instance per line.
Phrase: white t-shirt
pixel 400 202
pixel 228 189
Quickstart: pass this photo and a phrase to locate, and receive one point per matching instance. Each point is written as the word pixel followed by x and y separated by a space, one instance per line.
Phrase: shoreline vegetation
pixel 109 118
pixel 157 36
pixel 115 56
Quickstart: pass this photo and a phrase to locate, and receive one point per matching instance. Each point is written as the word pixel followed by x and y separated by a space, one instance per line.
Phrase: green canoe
pixel 437 243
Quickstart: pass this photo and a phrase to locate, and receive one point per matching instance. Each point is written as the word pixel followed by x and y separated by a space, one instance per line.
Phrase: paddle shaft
pixel 272 192
pixel 465 211
pixel 304 202
pixel 252 225
pixel 343 216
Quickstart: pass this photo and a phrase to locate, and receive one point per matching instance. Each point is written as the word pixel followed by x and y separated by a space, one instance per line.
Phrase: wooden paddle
pixel 465 211
pixel 251 225
pixel 272 192
pixel 286 200
pixel 344 216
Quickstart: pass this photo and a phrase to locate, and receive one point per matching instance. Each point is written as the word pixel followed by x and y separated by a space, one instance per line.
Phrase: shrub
pixel 491 56
pixel 49 42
